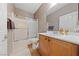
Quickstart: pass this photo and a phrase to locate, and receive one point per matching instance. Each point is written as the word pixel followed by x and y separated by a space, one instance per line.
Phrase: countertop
pixel 72 38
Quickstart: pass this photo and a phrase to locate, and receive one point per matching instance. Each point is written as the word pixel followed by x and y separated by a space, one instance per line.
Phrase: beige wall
pixel 10 9
pixel 41 16
pixel 22 14
pixel 53 19
pixel 18 12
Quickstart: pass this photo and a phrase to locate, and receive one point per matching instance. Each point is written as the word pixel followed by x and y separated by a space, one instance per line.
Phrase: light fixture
pixel 52 4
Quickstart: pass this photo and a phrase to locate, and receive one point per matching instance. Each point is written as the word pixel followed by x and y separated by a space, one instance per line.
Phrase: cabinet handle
pixel 49 40
pixel 45 38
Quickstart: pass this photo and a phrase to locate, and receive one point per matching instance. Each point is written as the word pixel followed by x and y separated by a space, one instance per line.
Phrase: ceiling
pixel 56 7
pixel 28 7
pixel 33 7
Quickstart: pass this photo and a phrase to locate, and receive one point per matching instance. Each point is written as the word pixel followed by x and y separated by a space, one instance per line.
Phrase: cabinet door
pixel 51 45
pixel 43 45
pixel 61 48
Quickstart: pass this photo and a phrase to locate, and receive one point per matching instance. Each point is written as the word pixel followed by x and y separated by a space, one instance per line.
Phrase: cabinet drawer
pixel 64 43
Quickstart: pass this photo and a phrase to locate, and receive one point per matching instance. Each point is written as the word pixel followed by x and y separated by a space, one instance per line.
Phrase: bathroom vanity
pixel 58 45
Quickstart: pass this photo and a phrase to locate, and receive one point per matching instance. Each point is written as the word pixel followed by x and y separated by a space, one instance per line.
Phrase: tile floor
pixel 20 47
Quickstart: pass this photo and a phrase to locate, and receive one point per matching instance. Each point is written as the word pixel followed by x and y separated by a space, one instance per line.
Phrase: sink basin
pixel 74 34
pixel 52 32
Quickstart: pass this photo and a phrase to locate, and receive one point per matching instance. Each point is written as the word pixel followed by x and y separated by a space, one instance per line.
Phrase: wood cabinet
pixel 43 45
pixel 54 47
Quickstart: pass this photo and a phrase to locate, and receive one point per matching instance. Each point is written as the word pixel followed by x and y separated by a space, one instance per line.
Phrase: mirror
pixel 63 14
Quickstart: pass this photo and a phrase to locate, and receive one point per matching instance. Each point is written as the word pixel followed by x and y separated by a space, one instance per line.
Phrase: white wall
pixel 19 23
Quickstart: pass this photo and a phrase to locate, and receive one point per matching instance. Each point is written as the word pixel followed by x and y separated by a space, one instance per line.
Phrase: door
pixel 3 29
pixel 43 45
